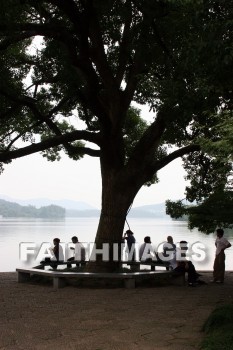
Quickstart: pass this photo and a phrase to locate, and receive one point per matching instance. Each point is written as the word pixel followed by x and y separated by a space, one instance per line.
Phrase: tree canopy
pixel 94 59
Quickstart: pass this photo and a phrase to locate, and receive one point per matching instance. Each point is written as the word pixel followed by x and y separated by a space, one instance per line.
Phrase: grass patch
pixel 219 329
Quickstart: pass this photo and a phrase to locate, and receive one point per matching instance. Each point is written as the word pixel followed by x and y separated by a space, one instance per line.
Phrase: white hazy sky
pixel 34 177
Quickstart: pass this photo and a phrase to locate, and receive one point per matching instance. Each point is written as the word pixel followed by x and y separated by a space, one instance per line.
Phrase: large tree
pixel 94 59
pixel 214 209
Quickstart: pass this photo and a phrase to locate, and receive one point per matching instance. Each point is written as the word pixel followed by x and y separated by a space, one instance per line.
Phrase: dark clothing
pixel 130 241
pixel 71 259
pixel 77 264
pixel 56 251
pixel 187 266
pixel 219 267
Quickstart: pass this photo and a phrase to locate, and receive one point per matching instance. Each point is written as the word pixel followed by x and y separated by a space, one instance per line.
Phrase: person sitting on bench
pixel 79 252
pixel 57 253
pixel 185 265
pixel 146 252
pixel 169 252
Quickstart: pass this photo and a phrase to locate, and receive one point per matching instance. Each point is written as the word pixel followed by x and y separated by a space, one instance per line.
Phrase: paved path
pixel 35 316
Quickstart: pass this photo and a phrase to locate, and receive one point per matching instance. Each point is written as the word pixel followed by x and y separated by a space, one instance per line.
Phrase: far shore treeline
pixel 12 209
pixel 9 209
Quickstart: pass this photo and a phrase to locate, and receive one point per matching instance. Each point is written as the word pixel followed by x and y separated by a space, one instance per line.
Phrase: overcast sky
pixel 34 177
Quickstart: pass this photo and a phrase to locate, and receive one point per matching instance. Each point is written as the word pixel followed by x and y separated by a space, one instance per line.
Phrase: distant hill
pixel 149 211
pixel 81 209
pixel 70 213
pixel 11 209
pixel 39 202
pixel 145 211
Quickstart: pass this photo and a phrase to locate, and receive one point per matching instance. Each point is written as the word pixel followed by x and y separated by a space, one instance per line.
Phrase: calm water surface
pixel 16 230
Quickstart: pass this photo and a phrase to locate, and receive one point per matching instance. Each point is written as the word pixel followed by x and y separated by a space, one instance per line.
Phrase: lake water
pixel 14 231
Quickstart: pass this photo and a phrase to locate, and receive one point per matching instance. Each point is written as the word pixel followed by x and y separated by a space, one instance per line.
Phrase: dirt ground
pixel 36 316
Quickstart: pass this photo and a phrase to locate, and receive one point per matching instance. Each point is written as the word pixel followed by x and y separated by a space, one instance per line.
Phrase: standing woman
pixel 221 244
pixel 129 238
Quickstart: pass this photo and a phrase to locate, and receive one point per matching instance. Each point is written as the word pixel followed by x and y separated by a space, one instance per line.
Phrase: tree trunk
pixel 120 185
pixel 116 200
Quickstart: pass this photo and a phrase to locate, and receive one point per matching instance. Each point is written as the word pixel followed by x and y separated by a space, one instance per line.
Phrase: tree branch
pixel 20 135
pixel 53 142
pixel 138 62
pixel 76 42
pixel 124 45
pixel 98 52
pixel 14 39
pixel 174 155
pixel 161 43
pixel 148 142
pixel 32 29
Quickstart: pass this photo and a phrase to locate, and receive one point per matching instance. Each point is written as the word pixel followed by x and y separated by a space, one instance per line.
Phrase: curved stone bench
pixel 59 278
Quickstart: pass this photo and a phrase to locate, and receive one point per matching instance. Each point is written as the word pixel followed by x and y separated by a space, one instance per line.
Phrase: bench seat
pixel 54 263
pixel 59 278
pixel 152 264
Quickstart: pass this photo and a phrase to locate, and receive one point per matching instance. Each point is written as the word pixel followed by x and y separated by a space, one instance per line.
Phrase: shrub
pixel 219 329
